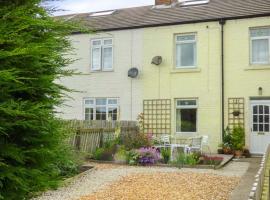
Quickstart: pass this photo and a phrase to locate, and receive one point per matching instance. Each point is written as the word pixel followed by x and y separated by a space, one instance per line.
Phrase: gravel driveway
pixel 103 177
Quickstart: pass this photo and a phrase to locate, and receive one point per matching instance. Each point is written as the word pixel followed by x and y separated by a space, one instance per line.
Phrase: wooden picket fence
pixel 87 136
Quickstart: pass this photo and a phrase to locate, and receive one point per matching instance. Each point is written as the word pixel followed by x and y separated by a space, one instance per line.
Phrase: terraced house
pixel 193 67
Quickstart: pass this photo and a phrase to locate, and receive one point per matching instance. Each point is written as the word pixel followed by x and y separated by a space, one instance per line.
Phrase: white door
pixel 260 133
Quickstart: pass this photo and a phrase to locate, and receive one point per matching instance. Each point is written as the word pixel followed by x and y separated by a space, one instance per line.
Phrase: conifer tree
pixel 33 49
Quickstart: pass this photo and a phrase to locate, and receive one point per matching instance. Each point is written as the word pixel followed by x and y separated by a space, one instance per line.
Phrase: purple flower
pixel 148 155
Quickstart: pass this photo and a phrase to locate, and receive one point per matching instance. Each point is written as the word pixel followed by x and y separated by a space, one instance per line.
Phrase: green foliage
pixel 103 154
pixel 33 154
pixel 121 154
pixel 188 159
pixel 227 140
pixel 132 157
pixel 135 141
pixel 238 138
pixel 166 154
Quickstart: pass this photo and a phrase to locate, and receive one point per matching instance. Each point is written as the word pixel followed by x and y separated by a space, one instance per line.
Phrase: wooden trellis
pixel 236 112
pixel 157 116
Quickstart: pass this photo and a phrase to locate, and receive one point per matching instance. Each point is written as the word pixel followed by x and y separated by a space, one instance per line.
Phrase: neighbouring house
pixel 199 66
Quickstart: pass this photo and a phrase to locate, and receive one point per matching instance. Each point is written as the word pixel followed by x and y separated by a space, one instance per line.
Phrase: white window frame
pixel 94 106
pixel 185 42
pixel 102 46
pixel 89 106
pixel 186 107
pixel 251 47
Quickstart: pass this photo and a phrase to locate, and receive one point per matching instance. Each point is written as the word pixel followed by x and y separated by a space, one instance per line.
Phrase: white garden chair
pixel 164 141
pixel 197 144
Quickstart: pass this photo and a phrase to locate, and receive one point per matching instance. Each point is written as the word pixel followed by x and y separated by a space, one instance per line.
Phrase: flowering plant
pixel 148 155
pixel 211 160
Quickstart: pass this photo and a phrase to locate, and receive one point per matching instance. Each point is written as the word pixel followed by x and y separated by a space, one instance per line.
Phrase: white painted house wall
pixel 127 53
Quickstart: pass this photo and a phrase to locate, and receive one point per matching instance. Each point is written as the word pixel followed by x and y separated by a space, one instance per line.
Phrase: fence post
pixel 101 137
pixel 78 140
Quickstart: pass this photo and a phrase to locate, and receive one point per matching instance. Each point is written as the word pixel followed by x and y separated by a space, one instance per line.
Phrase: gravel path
pixel 103 175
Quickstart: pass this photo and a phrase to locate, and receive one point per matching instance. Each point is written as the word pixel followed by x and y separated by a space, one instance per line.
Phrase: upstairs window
pixel 186 116
pixel 186 51
pixel 102 55
pixel 101 109
pixel 260 43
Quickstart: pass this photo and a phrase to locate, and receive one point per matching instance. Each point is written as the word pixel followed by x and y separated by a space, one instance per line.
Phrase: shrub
pixel 166 154
pixel 238 138
pixel 188 159
pixel 135 140
pixel 132 157
pixel 105 154
pixel 121 154
pixel 33 55
pixel 148 155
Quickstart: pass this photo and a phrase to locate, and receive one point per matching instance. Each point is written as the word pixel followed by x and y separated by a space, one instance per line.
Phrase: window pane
pixel 101 113
pixel 266 118
pixel 260 109
pixel 255 109
pixel 107 58
pixel 112 101
pixel 185 37
pixel 260 51
pixel 188 119
pixel 96 58
pixel 255 127
pixel 261 127
pixel 266 127
pixel 255 118
pixel 260 32
pixel 261 118
pixel 178 55
pixel 112 114
pixel 186 102
pixel 266 109
pixel 188 54
pixel 108 42
pixel 101 101
pixel 178 120
pixel 96 42
pixel 89 113
pixel 89 101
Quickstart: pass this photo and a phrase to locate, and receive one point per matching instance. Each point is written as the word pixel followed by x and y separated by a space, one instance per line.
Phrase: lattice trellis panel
pixel 236 112
pixel 157 116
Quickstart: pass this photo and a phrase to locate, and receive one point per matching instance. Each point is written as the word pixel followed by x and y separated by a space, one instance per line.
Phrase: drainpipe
pixel 222 23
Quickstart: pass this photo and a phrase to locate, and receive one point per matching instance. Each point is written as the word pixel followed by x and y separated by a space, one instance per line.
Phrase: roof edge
pixel 185 22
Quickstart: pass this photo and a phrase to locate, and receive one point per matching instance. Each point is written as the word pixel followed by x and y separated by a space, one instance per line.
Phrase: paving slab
pixel 241 192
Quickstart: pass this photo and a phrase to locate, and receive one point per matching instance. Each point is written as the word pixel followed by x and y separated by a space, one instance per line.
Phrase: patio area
pixel 110 181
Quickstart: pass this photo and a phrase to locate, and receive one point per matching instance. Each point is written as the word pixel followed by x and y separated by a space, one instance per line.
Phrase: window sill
pixel 258 67
pixel 186 70
pixel 100 71
pixel 186 134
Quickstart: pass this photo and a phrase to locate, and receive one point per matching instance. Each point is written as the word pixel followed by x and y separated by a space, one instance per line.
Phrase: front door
pixel 260 133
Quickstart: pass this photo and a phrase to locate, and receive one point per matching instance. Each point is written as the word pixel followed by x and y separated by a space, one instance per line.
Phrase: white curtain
pixel 185 54
pixel 96 58
pixel 260 51
pixel 107 57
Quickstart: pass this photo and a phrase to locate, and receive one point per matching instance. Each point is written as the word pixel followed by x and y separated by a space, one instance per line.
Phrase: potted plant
pixel 227 142
pixel 238 140
pixel 220 148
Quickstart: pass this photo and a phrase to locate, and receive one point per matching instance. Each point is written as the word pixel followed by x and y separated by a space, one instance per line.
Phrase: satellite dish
pixel 133 72
pixel 157 60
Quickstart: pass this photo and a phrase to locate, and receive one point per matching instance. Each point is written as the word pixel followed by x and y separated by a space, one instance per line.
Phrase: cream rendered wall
pixel 204 83
pixel 127 53
pixel 241 78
